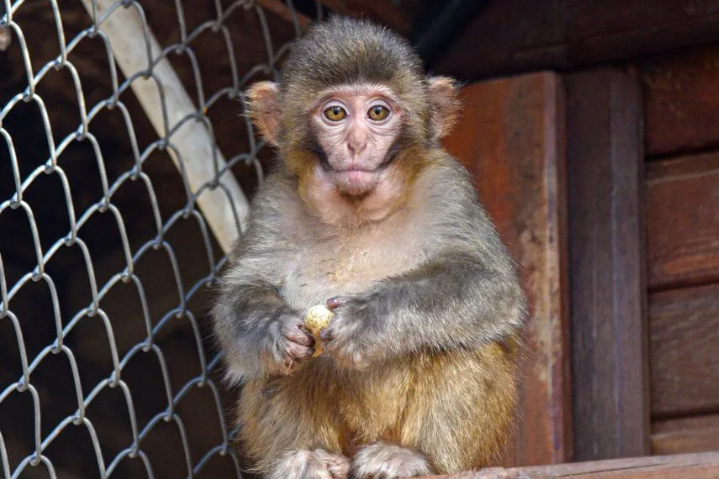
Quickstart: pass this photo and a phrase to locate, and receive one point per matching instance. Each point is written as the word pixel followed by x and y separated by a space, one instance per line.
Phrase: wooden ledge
pixel 681 466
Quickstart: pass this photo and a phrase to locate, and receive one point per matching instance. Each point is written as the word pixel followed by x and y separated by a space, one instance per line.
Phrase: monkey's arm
pixel 454 300
pixel 259 333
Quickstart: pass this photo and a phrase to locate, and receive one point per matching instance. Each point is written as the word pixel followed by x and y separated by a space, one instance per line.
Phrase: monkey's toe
pixel 337 465
pixel 316 464
pixel 387 461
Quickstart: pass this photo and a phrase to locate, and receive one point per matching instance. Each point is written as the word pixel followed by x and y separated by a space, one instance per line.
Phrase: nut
pixel 316 319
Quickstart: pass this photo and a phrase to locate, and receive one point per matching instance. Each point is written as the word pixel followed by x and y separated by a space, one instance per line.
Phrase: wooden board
pixel 398 15
pixel 280 8
pixel 691 434
pixel 512 36
pixel 605 157
pixel 683 221
pixel 684 466
pixel 511 139
pixel 681 101
pixel 684 332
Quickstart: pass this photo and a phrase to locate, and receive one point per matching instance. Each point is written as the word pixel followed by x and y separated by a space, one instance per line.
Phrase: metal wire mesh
pixel 106 364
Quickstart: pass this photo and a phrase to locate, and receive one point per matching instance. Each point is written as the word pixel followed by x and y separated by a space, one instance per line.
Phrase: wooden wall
pixel 643 203
pixel 641 80
pixel 681 102
pixel 642 159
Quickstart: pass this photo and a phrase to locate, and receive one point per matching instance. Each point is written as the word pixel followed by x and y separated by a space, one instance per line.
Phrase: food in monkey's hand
pixel 317 318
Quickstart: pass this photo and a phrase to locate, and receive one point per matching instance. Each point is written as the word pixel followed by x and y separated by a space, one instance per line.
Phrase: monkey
pixel 366 213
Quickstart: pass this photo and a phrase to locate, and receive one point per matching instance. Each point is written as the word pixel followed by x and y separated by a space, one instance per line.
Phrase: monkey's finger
pixel 336 302
pixel 338 466
pixel 299 336
pixel 327 334
pixel 297 351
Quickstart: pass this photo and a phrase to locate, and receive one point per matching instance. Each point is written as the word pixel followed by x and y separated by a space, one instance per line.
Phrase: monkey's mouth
pixel 356 181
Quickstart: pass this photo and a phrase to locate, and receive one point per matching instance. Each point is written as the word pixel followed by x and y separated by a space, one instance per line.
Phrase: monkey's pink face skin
pixel 355 127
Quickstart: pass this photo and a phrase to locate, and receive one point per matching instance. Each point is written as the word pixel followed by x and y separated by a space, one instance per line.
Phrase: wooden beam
pixel 683 466
pixel 511 140
pixel 609 354
pixel 280 8
pixel 400 16
pixel 193 147
pixel 514 36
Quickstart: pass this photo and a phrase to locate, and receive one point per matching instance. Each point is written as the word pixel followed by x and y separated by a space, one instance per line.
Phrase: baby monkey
pixel 368 214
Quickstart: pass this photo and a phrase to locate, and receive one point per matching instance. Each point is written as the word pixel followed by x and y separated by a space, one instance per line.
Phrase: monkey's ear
pixel 443 96
pixel 263 108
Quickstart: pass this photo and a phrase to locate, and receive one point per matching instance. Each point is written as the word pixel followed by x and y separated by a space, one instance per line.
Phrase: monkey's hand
pixel 350 338
pixel 289 341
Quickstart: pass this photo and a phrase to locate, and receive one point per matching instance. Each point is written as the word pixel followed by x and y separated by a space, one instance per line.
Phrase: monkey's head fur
pixel 347 53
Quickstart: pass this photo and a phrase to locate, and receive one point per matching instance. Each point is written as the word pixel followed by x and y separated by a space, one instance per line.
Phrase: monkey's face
pixel 355 128
pixel 354 118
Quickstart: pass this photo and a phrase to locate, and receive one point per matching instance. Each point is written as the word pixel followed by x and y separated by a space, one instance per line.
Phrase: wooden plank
pixel 683 221
pixel 684 332
pixel 684 435
pixel 681 101
pixel 511 140
pixel 515 36
pixel 609 340
pixel 684 466
pixel 280 8
pixel 398 15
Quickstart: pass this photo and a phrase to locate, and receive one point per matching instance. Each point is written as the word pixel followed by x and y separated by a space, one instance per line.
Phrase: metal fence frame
pixel 168 119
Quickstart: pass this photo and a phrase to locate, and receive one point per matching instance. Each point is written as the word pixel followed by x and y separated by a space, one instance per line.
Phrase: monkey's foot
pixel 316 464
pixel 387 461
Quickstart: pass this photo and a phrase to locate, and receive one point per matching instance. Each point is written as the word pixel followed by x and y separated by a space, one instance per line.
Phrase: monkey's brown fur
pixel 425 357
pixel 455 407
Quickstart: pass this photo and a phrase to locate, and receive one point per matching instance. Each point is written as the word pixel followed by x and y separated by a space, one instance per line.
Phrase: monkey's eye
pixel 335 113
pixel 378 113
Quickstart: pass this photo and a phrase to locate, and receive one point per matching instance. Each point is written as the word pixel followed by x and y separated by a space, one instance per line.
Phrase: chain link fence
pixel 124 164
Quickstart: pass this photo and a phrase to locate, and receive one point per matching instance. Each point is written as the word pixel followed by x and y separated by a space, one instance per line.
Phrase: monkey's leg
pixel 305 464
pixel 290 428
pixel 460 412
pixel 388 461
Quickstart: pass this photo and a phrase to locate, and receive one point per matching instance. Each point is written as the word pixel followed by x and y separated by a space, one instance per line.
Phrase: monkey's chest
pixel 333 270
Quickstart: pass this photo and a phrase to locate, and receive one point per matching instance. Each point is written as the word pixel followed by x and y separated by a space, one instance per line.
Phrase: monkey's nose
pixel 356 147
pixel 356 142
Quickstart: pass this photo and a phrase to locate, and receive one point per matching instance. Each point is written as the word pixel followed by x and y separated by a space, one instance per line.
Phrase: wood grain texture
pixel 609 339
pixel 681 100
pixel 511 139
pixel 685 435
pixel 527 35
pixel 684 332
pixel 683 466
pixel 683 221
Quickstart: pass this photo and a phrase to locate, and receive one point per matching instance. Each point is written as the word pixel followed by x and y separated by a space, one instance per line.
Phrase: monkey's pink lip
pixel 355 175
pixel 356 180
